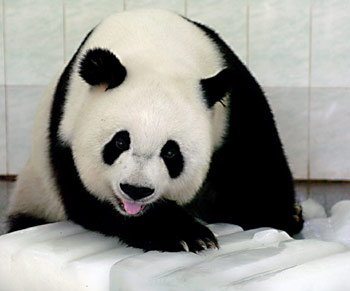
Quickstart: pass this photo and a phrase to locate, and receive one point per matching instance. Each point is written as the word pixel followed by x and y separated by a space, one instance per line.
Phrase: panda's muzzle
pixel 136 194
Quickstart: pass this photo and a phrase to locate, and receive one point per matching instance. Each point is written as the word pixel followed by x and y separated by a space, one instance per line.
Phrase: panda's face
pixel 136 144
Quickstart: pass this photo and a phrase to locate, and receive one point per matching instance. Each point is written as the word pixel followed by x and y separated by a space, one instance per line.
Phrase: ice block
pixel 64 256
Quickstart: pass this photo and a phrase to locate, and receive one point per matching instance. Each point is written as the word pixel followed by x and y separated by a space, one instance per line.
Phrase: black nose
pixel 135 192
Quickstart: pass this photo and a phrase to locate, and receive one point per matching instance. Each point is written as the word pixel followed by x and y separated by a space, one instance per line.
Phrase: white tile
pixel 331 43
pixel 83 15
pixel 279 42
pixel 173 5
pixel 2 73
pixel 2 132
pixel 227 17
pixel 22 105
pixel 34 41
pixel 330 134
pixel 290 108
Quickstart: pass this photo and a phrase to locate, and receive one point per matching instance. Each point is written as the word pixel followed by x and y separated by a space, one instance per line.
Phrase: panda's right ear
pixel 101 67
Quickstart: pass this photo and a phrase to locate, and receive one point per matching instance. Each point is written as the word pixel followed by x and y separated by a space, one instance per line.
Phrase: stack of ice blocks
pixel 64 256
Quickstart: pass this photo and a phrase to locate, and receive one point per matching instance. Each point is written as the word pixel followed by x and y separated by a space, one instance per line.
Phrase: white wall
pixel 299 50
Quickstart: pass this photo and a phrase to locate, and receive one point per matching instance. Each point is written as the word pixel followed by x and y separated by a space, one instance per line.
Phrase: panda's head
pixel 142 137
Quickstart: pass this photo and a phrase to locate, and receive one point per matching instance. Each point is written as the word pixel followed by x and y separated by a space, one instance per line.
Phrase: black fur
pixel 113 149
pixel 249 182
pixel 101 66
pixel 174 161
pixel 23 220
pixel 216 88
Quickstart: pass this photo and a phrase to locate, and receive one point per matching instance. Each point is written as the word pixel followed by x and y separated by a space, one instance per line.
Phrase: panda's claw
pixel 296 218
pixel 297 208
pixel 202 244
pixel 185 246
pixel 213 245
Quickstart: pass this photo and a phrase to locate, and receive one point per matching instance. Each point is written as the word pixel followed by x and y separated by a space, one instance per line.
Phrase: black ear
pixel 215 88
pixel 101 66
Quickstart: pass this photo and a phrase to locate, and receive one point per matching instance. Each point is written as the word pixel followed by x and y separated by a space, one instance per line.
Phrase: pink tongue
pixel 132 208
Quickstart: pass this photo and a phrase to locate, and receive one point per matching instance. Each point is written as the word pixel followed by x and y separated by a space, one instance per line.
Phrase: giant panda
pixel 153 129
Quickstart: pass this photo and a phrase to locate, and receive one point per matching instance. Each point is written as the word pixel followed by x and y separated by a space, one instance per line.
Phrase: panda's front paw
pixel 197 238
pixel 191 238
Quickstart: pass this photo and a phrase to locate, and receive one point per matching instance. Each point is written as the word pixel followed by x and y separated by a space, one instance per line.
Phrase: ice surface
pixel 60 256
pixel 312 209
pixel 325 274
pixel 336 227
pixel 64 256
pixel 217 270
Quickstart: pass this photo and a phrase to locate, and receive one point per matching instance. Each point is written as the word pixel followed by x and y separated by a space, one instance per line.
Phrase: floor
pixel 325 193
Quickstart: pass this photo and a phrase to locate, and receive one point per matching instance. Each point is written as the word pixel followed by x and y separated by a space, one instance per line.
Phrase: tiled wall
pixel 299 50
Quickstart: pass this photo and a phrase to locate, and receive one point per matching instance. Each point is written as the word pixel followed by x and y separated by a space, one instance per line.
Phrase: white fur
pixel 35 190
pixel 165 57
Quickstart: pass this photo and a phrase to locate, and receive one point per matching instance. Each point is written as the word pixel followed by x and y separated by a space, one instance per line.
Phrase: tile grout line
pixel 64 31
pixel 302 87
pixel 5 88
pixel 248 31
pixel 275 87
pixel 309 101
pixel 124 5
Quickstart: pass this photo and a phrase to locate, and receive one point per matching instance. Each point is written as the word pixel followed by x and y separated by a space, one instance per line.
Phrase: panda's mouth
pixel 131 208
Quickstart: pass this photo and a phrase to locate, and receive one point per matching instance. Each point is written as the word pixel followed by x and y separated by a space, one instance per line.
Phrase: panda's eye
pixel 169 154
pixel 172 157
pixel 116 146
pixel 122 140
pixel 121 144
pixel 169 151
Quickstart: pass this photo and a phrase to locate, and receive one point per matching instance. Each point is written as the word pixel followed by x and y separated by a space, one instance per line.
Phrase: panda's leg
pixel 167 227
pixel 33 202
pixel 260 205
pixel 263 198
pixel 22 220
pixel 253 214
pixel 250 172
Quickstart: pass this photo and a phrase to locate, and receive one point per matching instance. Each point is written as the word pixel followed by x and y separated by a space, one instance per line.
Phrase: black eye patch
pixel 118 144
pixel 172 158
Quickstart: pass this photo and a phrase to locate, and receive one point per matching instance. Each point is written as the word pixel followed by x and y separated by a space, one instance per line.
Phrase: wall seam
pixel 309 101
pixel 64 31
pixel 248 32
pixel 5 87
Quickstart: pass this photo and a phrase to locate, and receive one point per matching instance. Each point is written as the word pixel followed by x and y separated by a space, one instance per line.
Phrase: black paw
pixel 295 223
pixel 193 238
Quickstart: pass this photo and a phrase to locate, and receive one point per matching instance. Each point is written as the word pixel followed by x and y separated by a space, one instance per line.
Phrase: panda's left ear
pixel 100 66
pixel 215 88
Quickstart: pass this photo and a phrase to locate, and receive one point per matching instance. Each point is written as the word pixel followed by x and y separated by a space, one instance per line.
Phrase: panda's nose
pixel 135 192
